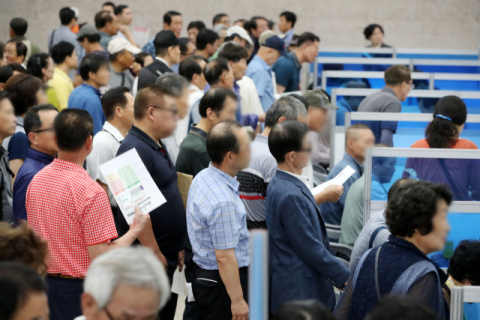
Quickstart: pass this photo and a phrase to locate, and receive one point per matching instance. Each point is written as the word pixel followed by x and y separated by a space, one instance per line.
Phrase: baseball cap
pixel 86 30
pixel 265 35
pixel 165 39
pixel 276 43
pixel 119 44
pixel 74 9
pixel 241 32
pixel 318 98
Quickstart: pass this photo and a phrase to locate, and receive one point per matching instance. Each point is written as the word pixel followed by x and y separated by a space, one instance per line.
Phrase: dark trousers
pixel 211 297
pixel 168 312
pixel 64 297
pixel 191 312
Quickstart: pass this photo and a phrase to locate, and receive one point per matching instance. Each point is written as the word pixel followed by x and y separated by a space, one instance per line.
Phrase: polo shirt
pixel 63 33
pixel 255 179
pixel 343 107
pixel 104 39
pixel 261 74
pixel 383 101
pixel 332 211
pixel 71 211
pixel 379 192
pixel 105 147
pixel 172 147
pixel 17 144
pixel 287 72
pixel 193 156
pixel 63 86
pixel 168 220
pixel 87 98
pixel 121 79
pixel 288 37
pixel 216 218
pixel 34 162
pixel 352 217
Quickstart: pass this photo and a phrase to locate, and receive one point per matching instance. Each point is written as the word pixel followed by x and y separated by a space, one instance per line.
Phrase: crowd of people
pixel 207 107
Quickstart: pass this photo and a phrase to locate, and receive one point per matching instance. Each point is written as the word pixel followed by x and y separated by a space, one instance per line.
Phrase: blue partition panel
pixel 437 56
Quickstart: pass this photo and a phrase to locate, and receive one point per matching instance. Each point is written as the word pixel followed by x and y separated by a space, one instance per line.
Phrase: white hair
pixel 133 266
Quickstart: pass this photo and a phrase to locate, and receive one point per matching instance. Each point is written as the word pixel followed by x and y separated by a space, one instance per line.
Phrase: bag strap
pixel 377 287
pixel 374 235
pixel 50 45
pixel 449 177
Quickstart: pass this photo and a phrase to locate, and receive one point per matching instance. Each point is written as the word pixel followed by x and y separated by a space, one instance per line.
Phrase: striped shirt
pixel 216 218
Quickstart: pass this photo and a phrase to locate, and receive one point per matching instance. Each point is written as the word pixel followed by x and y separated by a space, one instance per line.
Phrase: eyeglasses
pixel 411 85
pixel 308 150
pixel 173 111
pixel 109 315
pixel 43 130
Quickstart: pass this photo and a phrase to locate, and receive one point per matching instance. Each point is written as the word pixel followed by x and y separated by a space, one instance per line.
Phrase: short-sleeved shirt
pixel 71 211
pixel 168 220
pixel 121 79
pixel 63 33
pixel 18 148
pixel 343 107
pixel 383 101
pixel 287 72
pixel 379 192
pixel 105 147
pixel 352 217
pixel 261 74
pixel 216 218
pixel 63 87
pixel 104 39
pixel 193 156
pixel 87 98
pixel 254 180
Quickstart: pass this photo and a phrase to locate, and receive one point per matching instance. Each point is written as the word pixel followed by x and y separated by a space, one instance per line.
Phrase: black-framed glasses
pixel 43 130
pixel 308 150
pixel 109 315
pixel 173 111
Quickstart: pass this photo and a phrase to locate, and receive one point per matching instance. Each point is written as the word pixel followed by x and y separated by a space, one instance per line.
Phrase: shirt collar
pixel 262 63
pixel 107 126
pixel 295 59
pixel 222 176
pixel 144 137
pixel 62 164
pixel 97 92
pixel 304 179
pixel 290 32
pixel 162 60
pixel 39 156
pixel 61 73
pixel 19 120
pixel 193 87
pixel 348 157
pixel 261 138
pixel 198 131
pixel 389 90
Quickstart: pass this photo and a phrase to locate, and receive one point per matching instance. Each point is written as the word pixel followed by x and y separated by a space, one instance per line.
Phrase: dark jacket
pixel 150 73
pixel 301 266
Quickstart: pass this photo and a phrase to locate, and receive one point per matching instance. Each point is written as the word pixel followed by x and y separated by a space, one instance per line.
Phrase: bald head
pixel 359 137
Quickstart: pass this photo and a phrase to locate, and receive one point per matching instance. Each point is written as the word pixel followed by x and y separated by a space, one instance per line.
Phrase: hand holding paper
pixel 139 220
pixel 337 181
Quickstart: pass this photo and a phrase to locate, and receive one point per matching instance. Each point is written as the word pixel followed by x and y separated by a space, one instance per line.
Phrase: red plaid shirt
pixel 71 211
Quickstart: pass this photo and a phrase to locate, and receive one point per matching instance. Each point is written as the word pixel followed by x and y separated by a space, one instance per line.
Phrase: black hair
pixel 92 38
pixel 222 139
pixel 61 51
pixel 218 17
pixel 23 90
pixel 92 63
pixel 183 42
pixel 113 98
pixel 270 24
pixel 20 47
pixel 400 308
pixel 102 18
pixel 36 63
pixel 167 17
pixel 19 26
pixel 113 56
pixel 443 133
pixel 413 207
pixel 240 20
pixel 108 3
pixel 397 184
pixel 4 95
pixel 2 49
pixel 215 69
pixel 303 309
pixel 144 97
pixel 287 107
pixel 289 16
pixel 368 31
pixel 140 58
pixel 199 25
pixel 119 9
pixel 66 15
pixel 6 71
pixel 465 262
pixel 232 51
pixel 32 120
pixel 307 37
pixel 72 128
pixel 204 37
pixel 214 99
pixel 17 281
pixel 252 23
pixel 286 136
pixel 190 66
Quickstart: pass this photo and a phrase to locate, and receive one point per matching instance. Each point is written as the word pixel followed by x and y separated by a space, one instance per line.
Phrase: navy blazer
pixel 301 266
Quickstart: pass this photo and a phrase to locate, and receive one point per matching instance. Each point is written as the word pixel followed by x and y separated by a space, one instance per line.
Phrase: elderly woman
pixel 417 218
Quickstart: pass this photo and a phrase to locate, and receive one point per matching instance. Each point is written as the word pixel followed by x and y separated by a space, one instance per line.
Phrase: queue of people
pixel 205 107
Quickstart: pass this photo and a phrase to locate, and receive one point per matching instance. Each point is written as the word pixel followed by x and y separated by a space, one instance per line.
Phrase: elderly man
pixel 128 282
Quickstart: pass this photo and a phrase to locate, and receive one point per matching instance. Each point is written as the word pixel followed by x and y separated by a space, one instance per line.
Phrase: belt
pixel 64 276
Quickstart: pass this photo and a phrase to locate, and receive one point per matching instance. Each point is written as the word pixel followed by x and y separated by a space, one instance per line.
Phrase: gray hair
pixel 135 266
pixel 218 28
pixel 173 82
pixel 288 107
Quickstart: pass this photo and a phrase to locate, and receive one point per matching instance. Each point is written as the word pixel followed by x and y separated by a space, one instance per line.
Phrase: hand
pixel 181 260
pixel 124 29
pixel 162 259
pixel 139 221
pixel 240 310
pixel 332 193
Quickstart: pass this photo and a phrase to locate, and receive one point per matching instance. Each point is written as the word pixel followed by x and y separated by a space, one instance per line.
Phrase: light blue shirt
pixel 288 37
pixel 378 190
pixel 216 218
pixel 261 74
pixel 87 98
pixel 343 107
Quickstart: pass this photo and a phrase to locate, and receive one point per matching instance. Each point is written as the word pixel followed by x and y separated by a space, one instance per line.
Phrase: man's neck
pixel 117 66
pixel 395 89
pixel 222 167
pixel 299 54
pixel 167 60
pixel 119 126
pixel 358 159
pixel 143 127
pixel 261 56
pixel 289 168
pixel 64 67
pixel 204 124
pixel 94 47
pixel 74 157
pixel 266 131
pixel 92 83
pixel 34 147
pixel 203 53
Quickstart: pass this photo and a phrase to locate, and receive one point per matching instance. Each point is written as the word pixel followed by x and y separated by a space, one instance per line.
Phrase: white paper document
pixel 178 283
pixel 131 184
pixel 337 181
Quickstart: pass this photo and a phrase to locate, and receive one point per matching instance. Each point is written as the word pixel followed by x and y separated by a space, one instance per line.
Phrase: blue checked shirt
pixel 216 218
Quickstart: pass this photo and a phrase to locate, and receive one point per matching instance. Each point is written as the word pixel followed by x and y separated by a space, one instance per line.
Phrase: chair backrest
pixel 470 294
pixel 334 234
pixel 341 248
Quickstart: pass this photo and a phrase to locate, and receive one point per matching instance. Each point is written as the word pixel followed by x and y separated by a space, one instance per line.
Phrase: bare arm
pixel 147 239
pixel 128 35
pixel 228 268
pixel 15 166
pixel 330 194
pixel 280 89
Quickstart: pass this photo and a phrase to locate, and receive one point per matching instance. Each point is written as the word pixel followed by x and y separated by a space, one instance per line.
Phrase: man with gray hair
pixel 178 85
pixel 254 180
pixel 125 283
